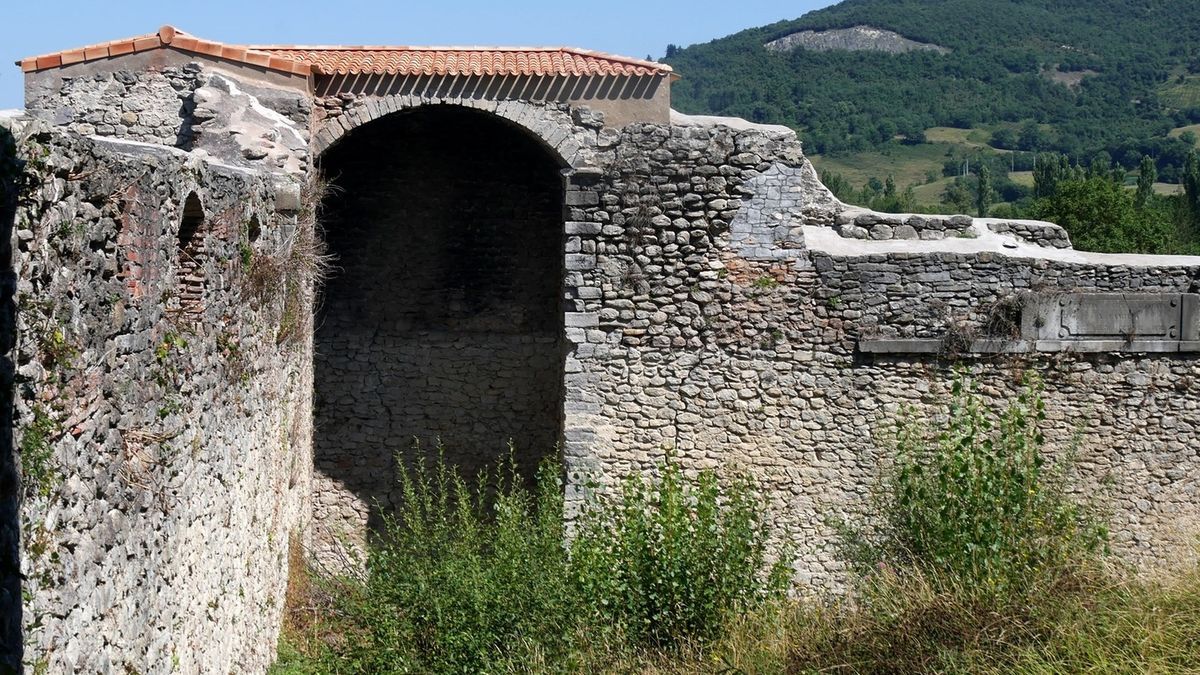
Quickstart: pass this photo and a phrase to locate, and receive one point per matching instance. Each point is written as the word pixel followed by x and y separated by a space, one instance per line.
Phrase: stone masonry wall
pixel 160 363
pixel 237 115
pixel 727 340
pixel 149 106
pixel 162 405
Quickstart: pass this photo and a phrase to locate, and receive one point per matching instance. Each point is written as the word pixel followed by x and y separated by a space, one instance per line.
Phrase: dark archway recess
pixel 443 317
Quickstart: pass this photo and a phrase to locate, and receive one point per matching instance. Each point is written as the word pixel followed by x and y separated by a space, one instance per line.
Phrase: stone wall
pixel 236 114
pixel 150 106
pixel 162 400
pixel 505 270
pixel 717 329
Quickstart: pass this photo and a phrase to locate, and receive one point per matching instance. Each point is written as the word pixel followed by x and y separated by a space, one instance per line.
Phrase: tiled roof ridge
pixel 296 59
pixel 608 56
pixel 167 35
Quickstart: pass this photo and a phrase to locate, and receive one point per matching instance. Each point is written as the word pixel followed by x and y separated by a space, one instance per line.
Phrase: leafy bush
pixel 671 561
pixel 977 505
pixel 460 581
pixel 479 577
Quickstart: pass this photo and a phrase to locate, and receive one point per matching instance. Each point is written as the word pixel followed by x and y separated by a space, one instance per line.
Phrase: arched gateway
pixel 441 323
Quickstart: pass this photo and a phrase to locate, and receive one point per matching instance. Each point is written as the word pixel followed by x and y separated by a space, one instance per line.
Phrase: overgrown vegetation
pixel 479 580
pixel 287 278
pixel 977 505
pixel 974 555
pixel 39 472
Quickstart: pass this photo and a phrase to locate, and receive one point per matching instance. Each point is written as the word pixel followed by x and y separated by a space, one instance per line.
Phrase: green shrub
pixel 463 579
pixel 977 505
pixel 479 577
pixel 39 475
pixel 672 560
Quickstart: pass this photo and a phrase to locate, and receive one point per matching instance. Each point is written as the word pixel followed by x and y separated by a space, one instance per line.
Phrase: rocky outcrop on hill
pixel 856 39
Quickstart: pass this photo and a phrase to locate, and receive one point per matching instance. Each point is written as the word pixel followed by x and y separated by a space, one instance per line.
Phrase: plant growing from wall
pixel 978 505
pixel 288 279
pixel 765 283
pixel 39 475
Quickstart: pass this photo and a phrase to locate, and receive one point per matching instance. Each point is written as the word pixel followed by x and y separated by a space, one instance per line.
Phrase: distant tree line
pixel 1095 203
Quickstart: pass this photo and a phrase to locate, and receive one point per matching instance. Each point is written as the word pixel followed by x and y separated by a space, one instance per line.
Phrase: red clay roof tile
pixel 561 61
pixel 465 61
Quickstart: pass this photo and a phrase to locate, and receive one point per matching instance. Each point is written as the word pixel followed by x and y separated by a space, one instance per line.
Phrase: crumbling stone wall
pixel 162 408
pixel 236 114
pixel 699 317
pixel 714 329
pixel 150 106
pixel 689 286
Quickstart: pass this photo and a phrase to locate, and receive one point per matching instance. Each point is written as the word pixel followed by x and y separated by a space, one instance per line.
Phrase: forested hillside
pixel 1074 76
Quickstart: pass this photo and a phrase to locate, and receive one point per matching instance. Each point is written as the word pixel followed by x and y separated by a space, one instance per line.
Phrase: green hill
pixel 1074 76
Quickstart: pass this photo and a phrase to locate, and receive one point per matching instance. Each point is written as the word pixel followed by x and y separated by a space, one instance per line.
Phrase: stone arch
pixel 550 125
pixel 444 318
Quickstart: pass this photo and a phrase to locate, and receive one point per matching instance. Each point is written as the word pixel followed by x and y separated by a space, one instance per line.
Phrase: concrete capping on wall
pixel 558 136
pixel 857 223
pixel 827 240
pixel 993 346
pixel 1082 322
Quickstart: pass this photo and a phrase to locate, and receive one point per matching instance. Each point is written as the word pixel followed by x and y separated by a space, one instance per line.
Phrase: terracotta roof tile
pixel 465 61
pixel 564 61
pixel 167 35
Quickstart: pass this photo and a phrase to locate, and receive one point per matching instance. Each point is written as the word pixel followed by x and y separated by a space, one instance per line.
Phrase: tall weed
pixel 978 504
pixel 672 560
pixel 478 577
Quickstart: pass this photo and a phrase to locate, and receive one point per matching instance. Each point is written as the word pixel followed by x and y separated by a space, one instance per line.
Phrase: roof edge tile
pixel 167 36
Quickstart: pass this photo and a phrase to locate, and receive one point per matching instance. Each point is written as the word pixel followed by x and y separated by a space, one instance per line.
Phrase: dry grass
pixel 289 278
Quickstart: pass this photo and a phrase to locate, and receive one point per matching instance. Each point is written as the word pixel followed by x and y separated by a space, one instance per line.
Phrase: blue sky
pixel 621 26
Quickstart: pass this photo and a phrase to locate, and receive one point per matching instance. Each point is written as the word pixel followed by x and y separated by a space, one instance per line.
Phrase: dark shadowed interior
pixel 442 318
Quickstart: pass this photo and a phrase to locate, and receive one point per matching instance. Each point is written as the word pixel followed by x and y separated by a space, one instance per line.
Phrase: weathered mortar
pixel 698 319
pixel 173 427
pixel 723 338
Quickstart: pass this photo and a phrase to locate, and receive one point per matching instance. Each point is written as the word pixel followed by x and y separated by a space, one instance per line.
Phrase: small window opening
pixel 190 283
pixel 254 229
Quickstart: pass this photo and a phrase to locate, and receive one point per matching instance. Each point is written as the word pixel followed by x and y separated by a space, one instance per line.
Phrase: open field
pixel 974 138
pixel 1194 128
pixel 907 164
pixel 1185 94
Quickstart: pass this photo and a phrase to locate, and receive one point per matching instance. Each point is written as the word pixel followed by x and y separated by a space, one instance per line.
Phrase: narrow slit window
pixel 190 283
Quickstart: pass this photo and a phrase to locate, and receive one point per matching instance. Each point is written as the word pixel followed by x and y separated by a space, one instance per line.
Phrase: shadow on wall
pixel 443 318
pixel 511 88
pixel 11 180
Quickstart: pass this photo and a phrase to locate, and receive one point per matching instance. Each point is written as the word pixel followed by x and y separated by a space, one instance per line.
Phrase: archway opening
pixel 442 320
